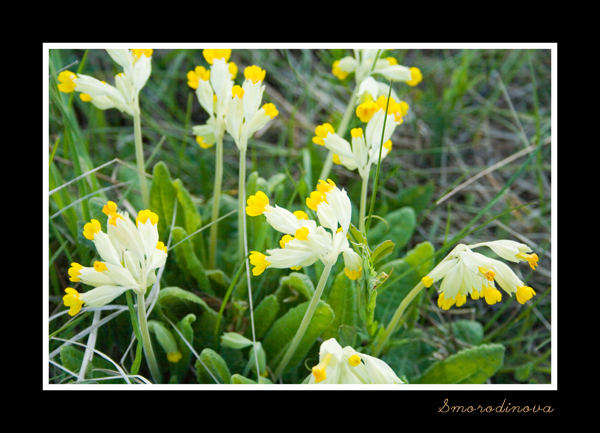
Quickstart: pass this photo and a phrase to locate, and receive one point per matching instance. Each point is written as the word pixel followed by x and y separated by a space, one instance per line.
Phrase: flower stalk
pixel 305 321
pixel 341 131
pixel 396 319
pixel 214 229
pixel 139 155
pixel 152 364
pixel 363 205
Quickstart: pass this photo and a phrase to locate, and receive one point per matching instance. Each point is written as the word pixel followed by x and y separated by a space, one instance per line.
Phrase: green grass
pixel 473 109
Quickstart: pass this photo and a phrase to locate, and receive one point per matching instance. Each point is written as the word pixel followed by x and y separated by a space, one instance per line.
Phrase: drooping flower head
pixel 245 116
pixel 339 365
pixel 363 150
pixel 464 272
pixel 130 255
pixel 361 64
pixel 124 94
pixel 304 241
pixel 213 89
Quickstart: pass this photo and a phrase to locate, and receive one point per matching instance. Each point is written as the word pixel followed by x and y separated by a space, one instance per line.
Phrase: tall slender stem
pixel 363 205
pixel 376 182
pixel 241 206
pixel 396 318
pixel 152 364
pixel 243 245
pixel 340 131
pixel 139 156
pixel 305 321
pixel 214 229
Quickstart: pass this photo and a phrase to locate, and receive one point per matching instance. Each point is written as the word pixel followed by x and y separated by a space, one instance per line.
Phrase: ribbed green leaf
pixel 187 261
pixel 163 197
pixel 293 289
pixel 211 366
pixel 176 303
pixel 390 295
pixel 188 216
pixel 400 227
pixel 264 316
pixel 284 329
pixel 238 379
pixel 469 366
pixel 469 331
pixel 184 326
pixel 342 300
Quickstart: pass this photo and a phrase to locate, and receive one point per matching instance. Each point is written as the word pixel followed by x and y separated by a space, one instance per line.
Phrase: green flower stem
pixel 305 321
pixel 152 364
pixel 139 156
pixel 241 206
pixel 363 206
pixel 396 319
pixel 243 243
pixel 216 202
pixel 340 131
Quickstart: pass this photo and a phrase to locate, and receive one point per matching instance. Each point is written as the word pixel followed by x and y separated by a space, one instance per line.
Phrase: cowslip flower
pixel 364 150
pixel 244 114
pixel 214 90
pixel 361 64
pixel 304 241
pixel 124 95
pixel 130 254
pixel 464 272
pixel 339 365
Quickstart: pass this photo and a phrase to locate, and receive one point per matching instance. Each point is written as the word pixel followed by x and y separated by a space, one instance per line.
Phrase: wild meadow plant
pixel 196 319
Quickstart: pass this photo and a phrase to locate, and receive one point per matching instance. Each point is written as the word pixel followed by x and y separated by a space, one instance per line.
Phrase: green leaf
pixel 413 266
pixel 238 379
pixel 382 251
pixel 469 366
pixel 177 303
pixel 347 336
pixel 163 196
pixel 164 337
pixel 402 223
pixel 211 366
pixel 284 329
pixel 187 261
pixel 523 373
pixel 416 196
pixel 219 281
pixel 411 352
pixel 293 289
pixel 189 216
pixel 469 331
pixel 71 358
pixel 342 300
pixel 264 316
pixel 358 236
pixel 179 369
pixel 421 256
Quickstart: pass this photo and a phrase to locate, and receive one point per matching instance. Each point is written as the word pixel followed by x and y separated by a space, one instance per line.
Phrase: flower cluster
pixel 464 272
pixel 361 64
pixel 124 95
pixel 230 107
pixel 304 242
pixel 364 150
pixel 339 365
pixel 130 255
